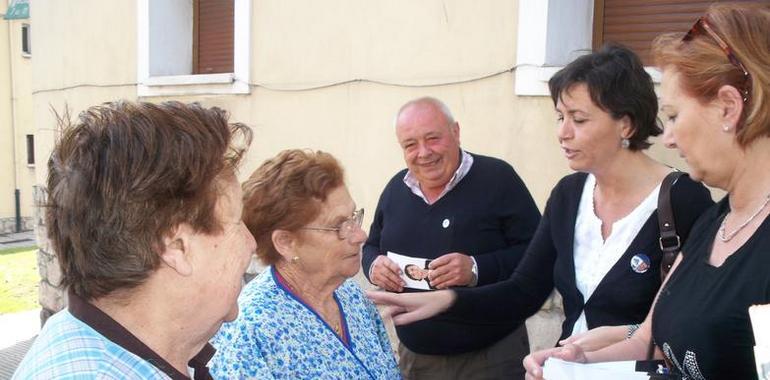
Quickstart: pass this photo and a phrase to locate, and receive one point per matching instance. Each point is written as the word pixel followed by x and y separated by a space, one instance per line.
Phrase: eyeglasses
pixel 346 228
pixel 702 25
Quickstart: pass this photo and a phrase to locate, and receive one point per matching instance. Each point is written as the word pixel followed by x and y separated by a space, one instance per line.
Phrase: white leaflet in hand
pixel 760 323
pixel 414 270
pixel 557 369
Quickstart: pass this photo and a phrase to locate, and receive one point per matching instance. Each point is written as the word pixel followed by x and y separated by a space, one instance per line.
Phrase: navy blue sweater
pixel 492 217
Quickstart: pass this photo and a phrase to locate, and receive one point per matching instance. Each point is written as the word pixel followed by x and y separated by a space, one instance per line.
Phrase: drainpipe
pixel 13 130
pixel 17 196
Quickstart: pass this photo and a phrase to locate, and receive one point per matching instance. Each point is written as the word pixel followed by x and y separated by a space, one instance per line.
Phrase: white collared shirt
pixel 594 256
pixel 466 161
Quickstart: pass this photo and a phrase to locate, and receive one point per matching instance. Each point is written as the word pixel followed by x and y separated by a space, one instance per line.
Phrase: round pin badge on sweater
pixel 640 263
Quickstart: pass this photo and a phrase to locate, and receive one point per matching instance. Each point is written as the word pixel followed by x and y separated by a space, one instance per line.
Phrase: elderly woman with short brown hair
pixel 144 214
pixel 304 317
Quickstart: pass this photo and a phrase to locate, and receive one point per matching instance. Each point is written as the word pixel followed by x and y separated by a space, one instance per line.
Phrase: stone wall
pixel 544 327
pixel 8 225
pixel 51 295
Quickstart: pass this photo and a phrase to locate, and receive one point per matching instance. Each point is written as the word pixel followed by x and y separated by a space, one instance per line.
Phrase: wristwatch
pixel 474 273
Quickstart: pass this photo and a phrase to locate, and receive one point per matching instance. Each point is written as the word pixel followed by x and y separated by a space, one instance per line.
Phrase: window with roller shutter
pixel 187 47
pixel 213 36
pixel 635 23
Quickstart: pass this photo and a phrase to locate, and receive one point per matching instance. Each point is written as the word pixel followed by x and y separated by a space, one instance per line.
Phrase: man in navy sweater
pixel 473 217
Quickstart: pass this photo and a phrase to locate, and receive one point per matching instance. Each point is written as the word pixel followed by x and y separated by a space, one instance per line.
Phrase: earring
pixel 625 143
pixel 726 128
pixel 295 259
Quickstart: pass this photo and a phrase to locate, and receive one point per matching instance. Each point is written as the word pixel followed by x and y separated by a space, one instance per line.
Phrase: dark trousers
pixel 502 360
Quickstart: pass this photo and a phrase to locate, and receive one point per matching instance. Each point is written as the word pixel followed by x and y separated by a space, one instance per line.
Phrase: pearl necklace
pixel 725 237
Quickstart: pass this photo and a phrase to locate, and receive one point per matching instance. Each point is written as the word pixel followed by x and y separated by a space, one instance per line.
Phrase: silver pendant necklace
pixel 725 237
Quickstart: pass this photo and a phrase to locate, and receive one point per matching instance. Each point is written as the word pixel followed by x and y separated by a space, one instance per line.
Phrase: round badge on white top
pixel 445 223
pixel 640 263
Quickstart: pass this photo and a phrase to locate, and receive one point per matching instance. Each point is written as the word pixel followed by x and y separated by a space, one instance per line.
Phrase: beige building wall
pixel 15 124
pixel 324 75
pixel 6 131
pixel 327 75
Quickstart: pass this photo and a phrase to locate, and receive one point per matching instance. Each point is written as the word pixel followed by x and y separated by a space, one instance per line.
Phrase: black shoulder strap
pixel 669 240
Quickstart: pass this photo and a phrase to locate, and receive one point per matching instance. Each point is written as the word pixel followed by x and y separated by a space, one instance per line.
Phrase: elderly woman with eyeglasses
pixel 714 96
pixel 303 317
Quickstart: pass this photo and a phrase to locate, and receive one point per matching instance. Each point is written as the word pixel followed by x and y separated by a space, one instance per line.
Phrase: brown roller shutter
pixel 635 23
pixel 213 36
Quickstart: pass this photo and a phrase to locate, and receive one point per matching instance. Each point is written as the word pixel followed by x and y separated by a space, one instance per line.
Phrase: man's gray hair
pixel 427 100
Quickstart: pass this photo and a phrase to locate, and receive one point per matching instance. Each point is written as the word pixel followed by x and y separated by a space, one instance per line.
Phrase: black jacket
pixel 622 297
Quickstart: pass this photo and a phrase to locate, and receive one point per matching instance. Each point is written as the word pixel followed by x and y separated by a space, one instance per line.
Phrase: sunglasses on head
pixel 702 26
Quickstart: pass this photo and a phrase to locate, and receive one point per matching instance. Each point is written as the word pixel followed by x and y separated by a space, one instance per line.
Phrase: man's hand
pixel 412 307
pixel 386 274
pixel 452 269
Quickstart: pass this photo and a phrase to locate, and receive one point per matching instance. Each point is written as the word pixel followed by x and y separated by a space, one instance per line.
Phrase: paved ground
pixel 22 239
pixel 17 330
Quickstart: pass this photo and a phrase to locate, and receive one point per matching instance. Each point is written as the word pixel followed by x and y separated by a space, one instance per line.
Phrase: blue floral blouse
pixel 277 336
